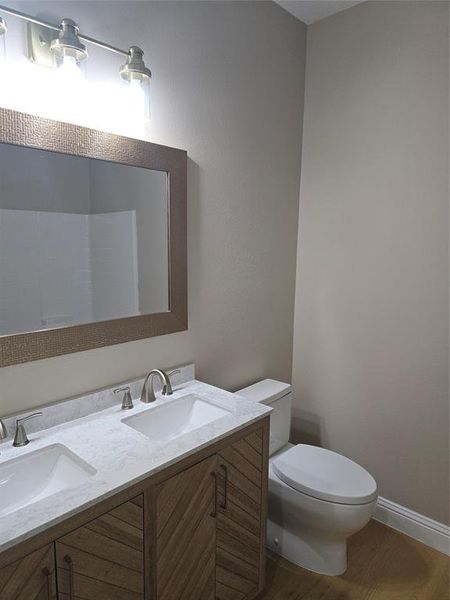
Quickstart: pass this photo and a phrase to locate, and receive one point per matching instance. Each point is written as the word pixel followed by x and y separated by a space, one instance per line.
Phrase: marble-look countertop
pixel 120 455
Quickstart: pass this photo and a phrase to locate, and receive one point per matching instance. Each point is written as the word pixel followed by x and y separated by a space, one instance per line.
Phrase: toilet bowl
pixel 317 498
pixel 312 531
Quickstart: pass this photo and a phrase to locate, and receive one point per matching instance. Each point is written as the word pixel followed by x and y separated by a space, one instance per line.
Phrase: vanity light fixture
pixel 67 52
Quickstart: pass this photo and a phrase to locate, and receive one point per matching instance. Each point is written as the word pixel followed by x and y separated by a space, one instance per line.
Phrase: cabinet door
pixel 241 520
pixel 104 560
pixel 185 534
pixel 30 578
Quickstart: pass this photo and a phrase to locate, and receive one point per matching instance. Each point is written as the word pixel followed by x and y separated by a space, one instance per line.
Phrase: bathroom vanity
pixel 166 501
pixel 179 517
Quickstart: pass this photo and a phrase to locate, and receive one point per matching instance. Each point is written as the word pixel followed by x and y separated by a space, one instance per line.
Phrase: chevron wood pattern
pixel 185 534
pixel 104 560
pixel 241 519
pixel 31 578
pixel 199 529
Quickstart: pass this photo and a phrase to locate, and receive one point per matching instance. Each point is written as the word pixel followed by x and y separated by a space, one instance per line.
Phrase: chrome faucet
pixel 148 395
pixel 20 437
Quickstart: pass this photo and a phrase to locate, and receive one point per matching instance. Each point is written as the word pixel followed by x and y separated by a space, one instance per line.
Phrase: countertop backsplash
pixel 70 409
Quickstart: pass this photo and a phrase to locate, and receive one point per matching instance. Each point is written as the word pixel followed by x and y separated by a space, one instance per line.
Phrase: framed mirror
pixel 92 239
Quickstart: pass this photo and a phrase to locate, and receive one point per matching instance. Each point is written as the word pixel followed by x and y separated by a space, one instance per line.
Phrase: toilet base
pixel 320 556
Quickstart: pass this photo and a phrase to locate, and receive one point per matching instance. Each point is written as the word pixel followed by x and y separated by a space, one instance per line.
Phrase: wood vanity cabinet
pixel 184 537
pixel 105 557
pixel 196 531
pixel 102 560
pixel 31 577
pixel 210 526
pixel 241 520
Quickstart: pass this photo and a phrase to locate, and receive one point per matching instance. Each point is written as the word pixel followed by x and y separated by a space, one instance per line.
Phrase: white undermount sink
pixel 177 417
pixel 36 475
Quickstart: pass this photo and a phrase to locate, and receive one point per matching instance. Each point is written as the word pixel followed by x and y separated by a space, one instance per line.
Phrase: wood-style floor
pixel 382 565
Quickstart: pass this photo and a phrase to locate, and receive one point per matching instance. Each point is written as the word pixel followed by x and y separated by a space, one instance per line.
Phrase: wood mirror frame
pixel 35 132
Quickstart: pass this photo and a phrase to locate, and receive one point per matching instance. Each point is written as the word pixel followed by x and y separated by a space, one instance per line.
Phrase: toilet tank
pixel 278 396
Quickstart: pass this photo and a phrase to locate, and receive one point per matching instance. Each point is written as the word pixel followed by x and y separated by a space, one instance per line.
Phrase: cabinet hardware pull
pixel 48 575
pixel 69 561
pixel 214 512
pixel 224 504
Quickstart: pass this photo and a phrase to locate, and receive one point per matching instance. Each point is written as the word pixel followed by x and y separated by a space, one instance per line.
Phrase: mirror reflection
pixel 81 240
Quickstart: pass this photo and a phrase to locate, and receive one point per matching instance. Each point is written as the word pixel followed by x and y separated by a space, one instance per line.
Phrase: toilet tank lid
pixel 265 391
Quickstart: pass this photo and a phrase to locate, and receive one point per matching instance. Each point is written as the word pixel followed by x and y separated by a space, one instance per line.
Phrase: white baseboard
pixel 421 528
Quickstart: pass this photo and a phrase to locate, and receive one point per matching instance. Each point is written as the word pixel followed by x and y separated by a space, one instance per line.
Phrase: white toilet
pixel 317 498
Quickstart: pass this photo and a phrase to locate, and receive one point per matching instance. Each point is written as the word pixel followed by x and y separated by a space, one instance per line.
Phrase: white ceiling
pixel 309 11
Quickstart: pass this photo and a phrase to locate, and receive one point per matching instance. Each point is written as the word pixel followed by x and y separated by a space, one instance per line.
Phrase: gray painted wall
pixel 227 87
pixel 370 368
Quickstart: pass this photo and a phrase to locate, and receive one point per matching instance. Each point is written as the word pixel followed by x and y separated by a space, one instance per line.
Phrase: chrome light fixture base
pixel 135 67
pixel 43 46
pixel 68 42
pixel 39 42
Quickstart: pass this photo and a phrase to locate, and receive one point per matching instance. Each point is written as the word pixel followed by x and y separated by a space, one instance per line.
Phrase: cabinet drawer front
pixel 30 578
pixel 104 560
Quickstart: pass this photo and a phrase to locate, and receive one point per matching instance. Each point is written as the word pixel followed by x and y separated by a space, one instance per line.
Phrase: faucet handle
pixel 173 372
pixel 127 401
pixel 23 419
pixel 167 387
pixel 3 431
pixel 20 437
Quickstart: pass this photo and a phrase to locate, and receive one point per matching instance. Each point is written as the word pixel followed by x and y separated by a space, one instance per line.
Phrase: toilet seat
pixel 325 475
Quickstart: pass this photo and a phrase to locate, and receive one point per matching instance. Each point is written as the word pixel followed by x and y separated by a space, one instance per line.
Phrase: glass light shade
pixel 2 38
pixel 137 77
pixel 68 51
pixel 69 64
pixel 139 95
pixel 2 46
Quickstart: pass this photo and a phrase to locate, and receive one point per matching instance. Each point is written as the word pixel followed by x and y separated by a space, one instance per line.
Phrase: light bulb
pixel 136 97
pixel 69 68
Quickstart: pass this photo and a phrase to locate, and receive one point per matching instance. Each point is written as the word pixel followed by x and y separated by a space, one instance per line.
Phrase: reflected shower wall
pixel 81 240
pixel 59 269
pixel 114 265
